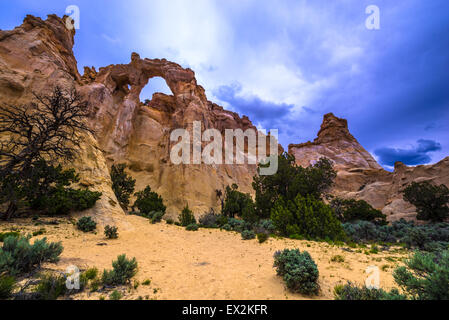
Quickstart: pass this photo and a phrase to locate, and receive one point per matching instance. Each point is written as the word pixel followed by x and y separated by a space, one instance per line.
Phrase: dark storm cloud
pixel 267 113
pixel 412 156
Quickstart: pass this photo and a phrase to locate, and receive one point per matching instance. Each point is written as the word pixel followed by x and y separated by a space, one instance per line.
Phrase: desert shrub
pixel 239 204
pixel 48 190
pixel 289 181
pixel 90 274
pixel 146 282
pixel 262 237
pixel 186 217
pixel 86 224
pixel 156 217
pixel 148 201
pixel 299 271
pixel 210 219
pixel 7 284
pixel 111 232
pixel 4 235
pixel 425 276
pixel 192 227
pixel 238 225
pixel 337 258
pixel 248 235
pixel 18 256
pixel 348 210
pixel 306 217
pixel 122 271
pixel 265 226
pixel 122 184
pixel 430 200
pixel 430 237
pixel 351 291
pixel 115 295
pixel 51 287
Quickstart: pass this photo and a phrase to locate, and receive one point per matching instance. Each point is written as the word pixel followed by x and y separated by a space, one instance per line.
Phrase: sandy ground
pixel 207 264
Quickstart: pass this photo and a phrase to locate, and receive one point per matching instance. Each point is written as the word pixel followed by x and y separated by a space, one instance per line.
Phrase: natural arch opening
pixel 154 85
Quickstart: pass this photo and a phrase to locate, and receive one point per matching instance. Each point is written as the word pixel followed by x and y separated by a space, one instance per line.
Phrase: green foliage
pixel 115 295
pixel 349 210
pixel 306 217
pixel 299 271
pixel 86 224
pixel 248 235
pixel 122 184
pixel 122 271
pixel 4 235
pixel 111 232
pixel 148 201
pixel 289 181
pixel 430 237
pixel 210 220
pixel 425 276
pixel 192 227
pixel 262 237
pixel 47 190
pixel 18 256
pixel 239 204
pixel 7 284
pixel 338 258
pixel 430 200
pixel 51 287
pixel 186 217
pixel 351 291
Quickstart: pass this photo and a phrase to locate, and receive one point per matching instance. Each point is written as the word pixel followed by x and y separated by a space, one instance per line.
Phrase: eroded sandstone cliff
pixel 359 176
pixel 38 55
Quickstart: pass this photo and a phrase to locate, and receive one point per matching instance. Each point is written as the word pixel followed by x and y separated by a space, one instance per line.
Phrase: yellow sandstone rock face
pixel 359 176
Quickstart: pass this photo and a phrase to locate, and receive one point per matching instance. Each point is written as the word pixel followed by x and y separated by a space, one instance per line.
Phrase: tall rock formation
pixel 38 55
pixel 359 176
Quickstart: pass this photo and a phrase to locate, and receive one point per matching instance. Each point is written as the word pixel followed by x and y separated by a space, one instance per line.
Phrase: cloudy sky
pixel 286 63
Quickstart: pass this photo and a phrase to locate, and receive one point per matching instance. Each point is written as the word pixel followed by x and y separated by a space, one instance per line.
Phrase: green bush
pixel 289 181
pixel 351 291
pixel 122 185
pixel 430 200
pixel 115 295
pixel 86 224
pixel 18 256
pixel 425 276
pixel 122 271
pixel 148 201
pixel 248 235
pixel 306 217
pixel 348 210
pixel 51 287
pixel 7 284
pixel 210 220
pixel 186 217
pixel 239 204
pixel 262 237
pixel 4 235
pixel 299 271
pixel 192 227
pixel 111 232
pixel 48 189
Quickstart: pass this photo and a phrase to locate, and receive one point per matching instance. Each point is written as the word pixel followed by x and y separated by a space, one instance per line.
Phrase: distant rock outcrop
pixel 359 176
